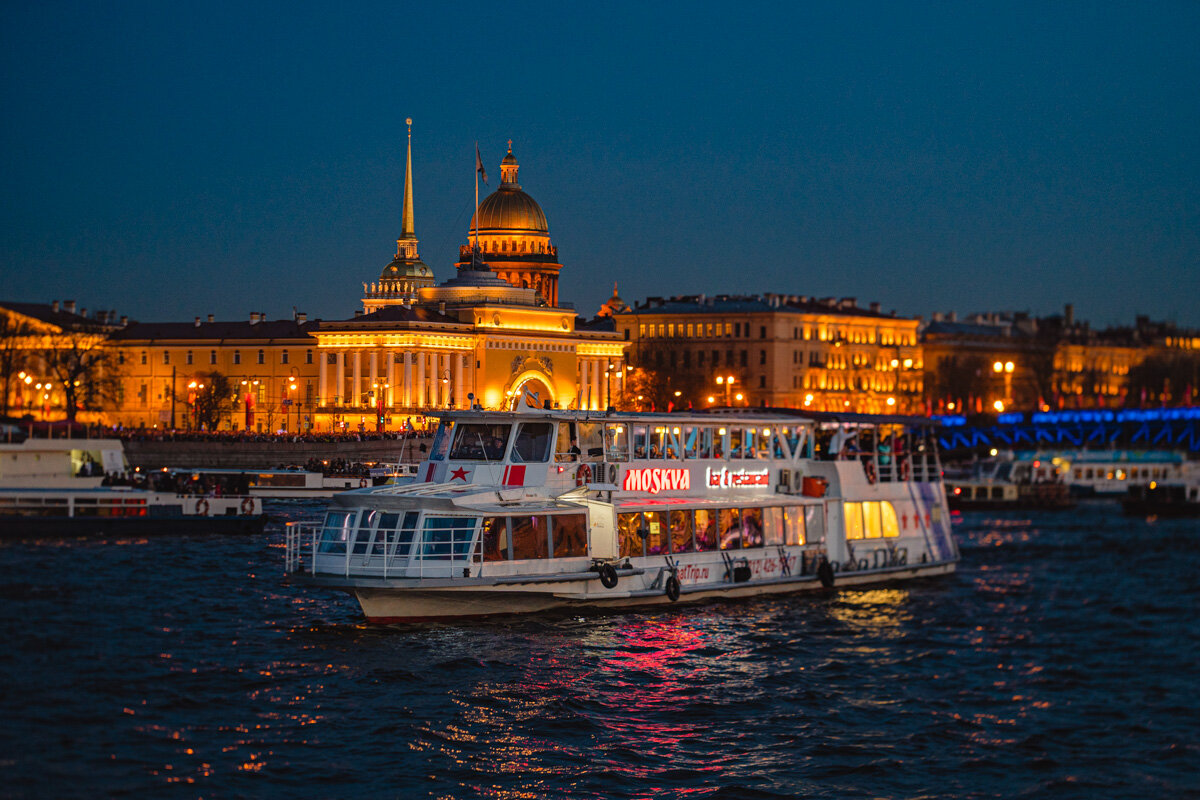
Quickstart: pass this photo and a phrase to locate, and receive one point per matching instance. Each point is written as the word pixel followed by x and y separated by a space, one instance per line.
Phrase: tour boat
pixel 63 487
pixel 1004 483
pixel 538 509
pixel 1177 497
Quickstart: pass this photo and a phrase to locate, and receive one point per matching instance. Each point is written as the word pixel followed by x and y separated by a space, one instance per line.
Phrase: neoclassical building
pixel 492 332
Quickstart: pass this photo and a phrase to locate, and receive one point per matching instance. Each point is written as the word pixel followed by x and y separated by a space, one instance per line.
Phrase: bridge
pixel 1159 428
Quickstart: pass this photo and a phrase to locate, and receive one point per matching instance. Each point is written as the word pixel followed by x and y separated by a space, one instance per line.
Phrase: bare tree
pixel 213 401
pixel 15 337
pixel 86 369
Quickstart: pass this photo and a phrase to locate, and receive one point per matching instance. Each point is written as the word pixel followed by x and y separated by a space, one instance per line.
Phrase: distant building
pixel 779 350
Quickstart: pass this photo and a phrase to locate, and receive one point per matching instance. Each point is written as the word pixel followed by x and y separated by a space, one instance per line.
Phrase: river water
pixel 1062 660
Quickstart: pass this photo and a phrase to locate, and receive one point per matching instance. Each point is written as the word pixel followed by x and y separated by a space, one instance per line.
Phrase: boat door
pixel 602 529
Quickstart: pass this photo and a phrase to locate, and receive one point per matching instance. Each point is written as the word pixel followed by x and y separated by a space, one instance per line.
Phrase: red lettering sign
pixel 653 480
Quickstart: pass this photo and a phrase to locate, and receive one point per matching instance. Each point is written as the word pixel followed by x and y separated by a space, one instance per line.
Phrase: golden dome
pixel 508 208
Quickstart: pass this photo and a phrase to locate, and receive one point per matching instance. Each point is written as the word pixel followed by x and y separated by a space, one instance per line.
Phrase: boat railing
pixel 383 554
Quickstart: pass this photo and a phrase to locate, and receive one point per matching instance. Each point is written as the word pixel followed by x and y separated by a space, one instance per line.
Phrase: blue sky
pixel 170 160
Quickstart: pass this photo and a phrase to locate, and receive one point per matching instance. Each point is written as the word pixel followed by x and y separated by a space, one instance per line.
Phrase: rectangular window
pixel 308 357
pixel 854 520
pixel 570 535
pixel 335 533
pixel 495 539
pixel 773 526
pixel 189 357
pixel 744 358
pixel 143 356
pixel 762 332
pixel 657 539
pixel 681 532
pixel 166 356
pixel 872 522
pixel 762 356
pixel 752 527
pixel 237 357
pixel 814 524
pixel 533 442
pixel 689 330
pixel 629 540
pixel 447 538
pixel 891 528
pixel 530 538
pixel 212 356
pixel 706 529
pixel 729 524
pixel 262 357
pixel 283 357
pixel 794 519
pixel 671 329
pixel 737 329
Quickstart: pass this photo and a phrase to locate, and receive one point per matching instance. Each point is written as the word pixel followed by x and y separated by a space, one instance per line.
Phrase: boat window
pixel 764 444
pixel 729 524
pixel 657 539
pixel 772 525
pixel 441 441
pixel 891 526
pixel 752 527
pixel 814 524
pixel 794 520
pixel 690 439
pixel 706 529
pixel 641 443
pixel 872 524
pixel 854 520
pixel 720 443
pixel 335 533
pixel 566 446
pixel 658 442
pixel 616 443
pixel 447 537
pixel 681 532
pixel 735 443
pixel 628 538
pixel 570 535
pixel 480 441
pixel 495 538
pixel 386 531
pixel 529 537
pixel 533 442
pixel 363 539
pixel 590 438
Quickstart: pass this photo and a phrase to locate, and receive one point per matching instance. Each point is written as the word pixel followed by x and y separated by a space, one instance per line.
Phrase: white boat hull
pixel 391 605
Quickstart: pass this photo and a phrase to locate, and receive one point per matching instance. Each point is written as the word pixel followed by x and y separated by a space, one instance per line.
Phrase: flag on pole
pixel 479 165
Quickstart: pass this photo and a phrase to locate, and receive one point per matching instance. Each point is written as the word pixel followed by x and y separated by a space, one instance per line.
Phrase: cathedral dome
pixel 508 208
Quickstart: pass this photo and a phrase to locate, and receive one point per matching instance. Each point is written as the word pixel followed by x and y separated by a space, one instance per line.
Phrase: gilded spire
pixel 406 215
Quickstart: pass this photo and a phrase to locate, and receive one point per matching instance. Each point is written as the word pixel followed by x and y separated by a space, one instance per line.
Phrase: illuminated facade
pixel 779 350
pixel 514 237
pixel 485 337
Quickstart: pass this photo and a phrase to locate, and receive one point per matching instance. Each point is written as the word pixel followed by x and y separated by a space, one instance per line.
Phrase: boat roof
pixel 761 416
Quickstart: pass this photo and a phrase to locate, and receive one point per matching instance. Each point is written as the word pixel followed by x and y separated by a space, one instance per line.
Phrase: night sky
pixel 170 160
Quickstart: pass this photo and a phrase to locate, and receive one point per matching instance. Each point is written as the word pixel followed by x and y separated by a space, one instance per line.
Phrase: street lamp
pixel 380 392
pixel 727 381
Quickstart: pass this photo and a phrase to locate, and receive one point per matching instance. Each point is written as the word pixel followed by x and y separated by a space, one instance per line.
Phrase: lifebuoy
pixel 869 469
pixel 825 574
pixel 583 475
pixel 202 507
pixel 247 505
pixel 362 483
pixel 672 588
pixel 608 575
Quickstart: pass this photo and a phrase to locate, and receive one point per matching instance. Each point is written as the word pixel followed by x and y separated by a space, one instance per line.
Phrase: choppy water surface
pixel 1062 660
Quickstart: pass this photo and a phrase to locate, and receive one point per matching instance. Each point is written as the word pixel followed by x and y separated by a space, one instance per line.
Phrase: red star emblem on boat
pixel 458 473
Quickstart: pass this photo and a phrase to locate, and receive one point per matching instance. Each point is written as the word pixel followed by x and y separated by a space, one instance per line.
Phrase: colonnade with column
pixel 601 381
pixel 355 377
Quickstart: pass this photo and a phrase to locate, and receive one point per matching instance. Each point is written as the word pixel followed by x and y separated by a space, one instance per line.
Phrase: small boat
pixel 996 484
pixel 538 509
pixel 64 487
pixel 1175 498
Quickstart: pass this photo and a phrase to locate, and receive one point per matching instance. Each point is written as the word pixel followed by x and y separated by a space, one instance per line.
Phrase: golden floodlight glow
pixel 1009 366
pixel 997 367
pixel 998 405
pixel 993 451
pixel 891 401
